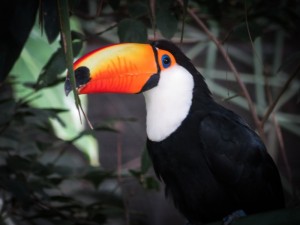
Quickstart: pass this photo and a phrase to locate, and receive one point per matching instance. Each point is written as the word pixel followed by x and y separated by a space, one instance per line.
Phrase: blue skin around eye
pixel 166 61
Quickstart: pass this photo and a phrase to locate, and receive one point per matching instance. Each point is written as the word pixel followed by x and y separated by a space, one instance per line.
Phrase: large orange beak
pixel 121 68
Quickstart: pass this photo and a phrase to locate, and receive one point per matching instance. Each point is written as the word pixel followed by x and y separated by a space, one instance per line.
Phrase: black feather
pixel 214 163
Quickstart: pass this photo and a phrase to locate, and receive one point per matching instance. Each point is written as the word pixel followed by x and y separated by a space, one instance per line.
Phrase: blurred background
pixel 56 170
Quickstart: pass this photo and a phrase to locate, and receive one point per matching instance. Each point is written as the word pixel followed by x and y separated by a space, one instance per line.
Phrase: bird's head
pixel 120 68
pixel 170 83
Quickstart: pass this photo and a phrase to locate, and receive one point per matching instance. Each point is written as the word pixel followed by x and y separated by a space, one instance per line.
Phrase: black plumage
pixel 214 163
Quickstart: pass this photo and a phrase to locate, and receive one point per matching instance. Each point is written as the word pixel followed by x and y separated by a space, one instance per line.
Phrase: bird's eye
pixel 166 61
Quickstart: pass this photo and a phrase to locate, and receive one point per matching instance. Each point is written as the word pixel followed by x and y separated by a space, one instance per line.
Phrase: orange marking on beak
pixel 121 68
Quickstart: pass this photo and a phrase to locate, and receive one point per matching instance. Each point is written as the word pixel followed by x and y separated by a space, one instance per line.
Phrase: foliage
pixel 39 179
pixel 44 177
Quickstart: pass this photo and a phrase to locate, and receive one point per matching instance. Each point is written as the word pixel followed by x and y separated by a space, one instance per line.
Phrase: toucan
pixel 212 163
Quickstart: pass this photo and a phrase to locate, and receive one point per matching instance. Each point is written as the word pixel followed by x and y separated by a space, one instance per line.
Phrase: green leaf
pixel 55 67
pixel 166 22
pixel 27 69
pixel 150 183
pixel 131 30
pixel 137 174
pixel 146 162
pixel 43 114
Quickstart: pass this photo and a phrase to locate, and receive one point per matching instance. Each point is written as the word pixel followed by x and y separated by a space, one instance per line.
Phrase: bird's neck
pixel 169 103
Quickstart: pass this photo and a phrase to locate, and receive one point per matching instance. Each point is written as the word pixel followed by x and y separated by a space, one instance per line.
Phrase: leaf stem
pixel 63 11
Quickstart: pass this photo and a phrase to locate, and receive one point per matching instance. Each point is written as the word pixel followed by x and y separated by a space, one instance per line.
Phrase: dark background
pixel 45 179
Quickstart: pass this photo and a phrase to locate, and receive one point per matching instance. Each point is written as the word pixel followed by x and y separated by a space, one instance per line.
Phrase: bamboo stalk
pixel 63 12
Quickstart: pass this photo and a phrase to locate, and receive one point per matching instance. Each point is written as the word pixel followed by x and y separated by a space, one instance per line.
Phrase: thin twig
pixel 153 17
pixel 282 91
pixel 230 64
pixel 120 178
pixel 280 140
pixel 250 36
pixel 183 22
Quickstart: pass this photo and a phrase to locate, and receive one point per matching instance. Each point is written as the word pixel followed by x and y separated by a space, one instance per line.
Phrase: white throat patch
pixel 169 102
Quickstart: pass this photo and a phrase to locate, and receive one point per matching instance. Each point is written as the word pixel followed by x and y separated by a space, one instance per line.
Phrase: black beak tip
pixel 82 77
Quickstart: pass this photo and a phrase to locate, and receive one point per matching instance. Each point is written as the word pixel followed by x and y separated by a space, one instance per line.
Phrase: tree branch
pixel 231 66
pixel 274 103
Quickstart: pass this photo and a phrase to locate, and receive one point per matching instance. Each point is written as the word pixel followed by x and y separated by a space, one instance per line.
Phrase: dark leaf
pixel 147 182
pixel 290 62
pixel 41 116
pixel 99 217
pixel 96 176
pixel 28 148
pixel 54 67
pixel 55 181
pixel 57 220
pixel 130 30
pixel 137 174
pixel 50 19
pixel 62 199
pixel 7 143
pixel 40 169
pixel 8 107
pixel 18 163
pixel 164 5
pixel 166 22
pixel 150 183
pixel 111 211
pixel 18 188
pixel 114 4
pixel 105 196
pixel 145 161
pixel 16 22
pixel 137 9
pixel 52 83
pixel 39 185
pixel 77 36
pixel 63 170
pixel 243 30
